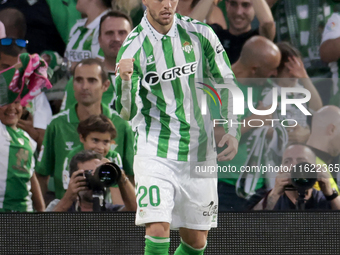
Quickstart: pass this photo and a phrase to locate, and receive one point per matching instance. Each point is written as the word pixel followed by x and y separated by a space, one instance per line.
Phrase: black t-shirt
pixel 316 202
pixel 233 44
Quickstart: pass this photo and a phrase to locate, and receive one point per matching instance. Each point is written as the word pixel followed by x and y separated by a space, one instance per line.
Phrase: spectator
pixel 20 190
pixel 134 8
pixel 82 44
pixel 204 11
pixel 83 40
pixel 324 139
pixel 37 114
pixel 301 23
pixel 61 136
pixel 240 15
pixel 280 199
pixel 330 53
pixel 113 29
pixel 79 198
pixel 291 73
pixel 259 59
pixel 41 30
pixel 96 133
pixel 14 22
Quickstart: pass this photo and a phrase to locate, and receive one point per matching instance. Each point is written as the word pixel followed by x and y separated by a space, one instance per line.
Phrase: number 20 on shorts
pixel 154 197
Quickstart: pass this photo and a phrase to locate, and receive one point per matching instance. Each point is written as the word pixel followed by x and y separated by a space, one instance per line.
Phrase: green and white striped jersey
pixel 163 100
pixel 16 170
pixel 301 23
pixel 83 41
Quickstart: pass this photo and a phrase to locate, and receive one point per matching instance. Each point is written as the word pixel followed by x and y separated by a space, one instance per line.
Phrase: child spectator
pixel 96 133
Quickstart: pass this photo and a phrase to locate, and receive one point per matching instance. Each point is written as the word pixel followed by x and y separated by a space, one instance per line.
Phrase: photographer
pixel 78 196
pixel 281 199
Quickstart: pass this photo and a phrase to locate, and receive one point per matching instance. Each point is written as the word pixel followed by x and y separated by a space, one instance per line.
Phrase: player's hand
pixel 77 183
pixel 126 68
pixel 230 152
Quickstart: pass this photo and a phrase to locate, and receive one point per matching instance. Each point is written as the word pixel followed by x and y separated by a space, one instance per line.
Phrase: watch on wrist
pixel 331 197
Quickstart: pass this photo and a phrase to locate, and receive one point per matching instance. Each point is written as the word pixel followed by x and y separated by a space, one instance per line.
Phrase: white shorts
pixel 166 193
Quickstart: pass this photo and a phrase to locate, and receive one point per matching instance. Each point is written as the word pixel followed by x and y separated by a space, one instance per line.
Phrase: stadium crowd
pixel 273 46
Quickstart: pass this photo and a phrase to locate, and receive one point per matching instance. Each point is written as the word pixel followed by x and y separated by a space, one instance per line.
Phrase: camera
pixel 104 176
pixel 303 176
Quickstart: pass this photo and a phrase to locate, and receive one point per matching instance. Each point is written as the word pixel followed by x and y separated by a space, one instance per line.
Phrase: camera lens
pixel 108 174
pixel 303 176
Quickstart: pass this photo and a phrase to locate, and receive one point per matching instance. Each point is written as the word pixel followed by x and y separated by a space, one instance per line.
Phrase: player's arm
pixel 126 85
pixel 127 160
pixel 220 69
pixel 265 18
pixel 45 163
pixel 330 45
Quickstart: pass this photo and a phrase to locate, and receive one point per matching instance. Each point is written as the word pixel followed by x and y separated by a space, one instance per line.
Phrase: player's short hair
pixel 90 62
pixel 82 157
pixel 115 14
pixel 287 50
pixel 96 123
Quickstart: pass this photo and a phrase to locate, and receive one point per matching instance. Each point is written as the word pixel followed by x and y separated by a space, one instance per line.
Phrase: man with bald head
pixel 325 136
pixel 259 60
pixel 281 199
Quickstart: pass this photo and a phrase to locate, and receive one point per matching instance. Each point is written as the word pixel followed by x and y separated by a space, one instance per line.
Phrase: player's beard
pixel 159 20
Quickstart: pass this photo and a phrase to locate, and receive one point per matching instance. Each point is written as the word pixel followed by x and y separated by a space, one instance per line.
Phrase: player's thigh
pixel 196 208
pixel 155 190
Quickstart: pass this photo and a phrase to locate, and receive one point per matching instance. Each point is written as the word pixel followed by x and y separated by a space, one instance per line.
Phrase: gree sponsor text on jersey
pixel 153 78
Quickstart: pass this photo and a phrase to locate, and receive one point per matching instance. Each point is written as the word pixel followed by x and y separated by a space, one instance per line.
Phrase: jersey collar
pixel 73 117
pixel 155 34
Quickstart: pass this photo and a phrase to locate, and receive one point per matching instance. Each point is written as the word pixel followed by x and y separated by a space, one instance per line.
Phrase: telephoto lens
pixel 108 174
pixel 104 176
pixel 303 176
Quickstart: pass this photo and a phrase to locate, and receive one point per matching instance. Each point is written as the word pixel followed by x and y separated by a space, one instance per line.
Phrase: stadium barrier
pixel 115 233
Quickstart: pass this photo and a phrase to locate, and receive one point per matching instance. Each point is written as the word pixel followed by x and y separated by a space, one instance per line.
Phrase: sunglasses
pixel 8 41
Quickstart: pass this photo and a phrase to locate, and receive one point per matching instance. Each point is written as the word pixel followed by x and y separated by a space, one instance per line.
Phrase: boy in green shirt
pixel 96 133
